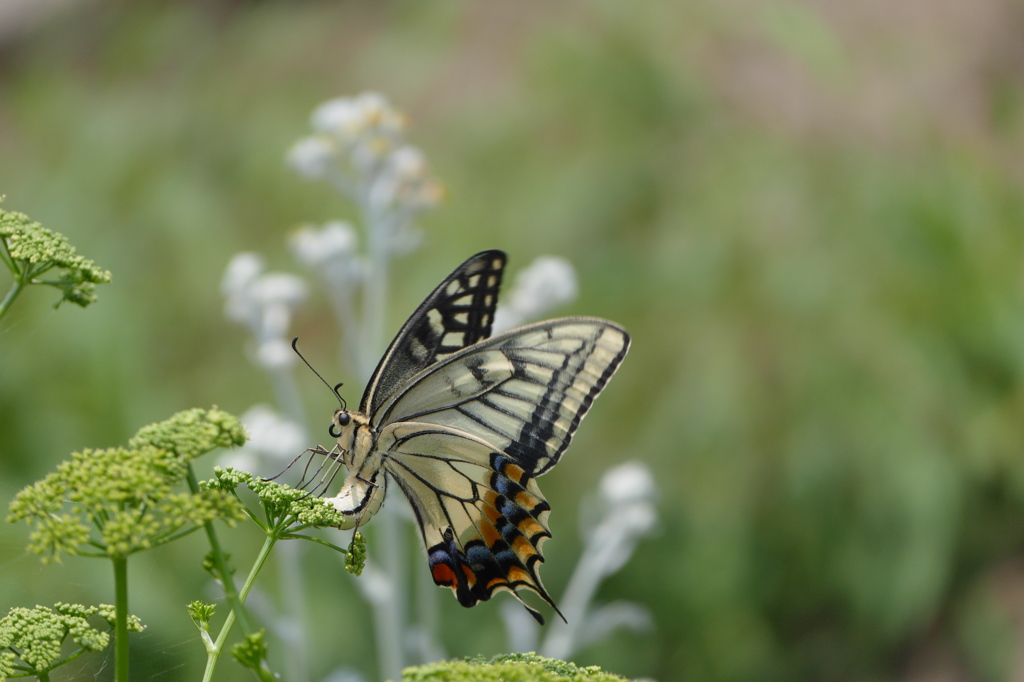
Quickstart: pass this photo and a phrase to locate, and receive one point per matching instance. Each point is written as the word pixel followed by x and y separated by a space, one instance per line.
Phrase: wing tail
pixel 481 516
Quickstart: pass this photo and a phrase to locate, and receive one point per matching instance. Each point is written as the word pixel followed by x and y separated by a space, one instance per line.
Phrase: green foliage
pixel 507 668
pixel 29 251
pixel 31 640
pixel 119 501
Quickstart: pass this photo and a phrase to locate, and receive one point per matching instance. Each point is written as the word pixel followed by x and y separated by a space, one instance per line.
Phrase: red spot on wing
pixel 443 575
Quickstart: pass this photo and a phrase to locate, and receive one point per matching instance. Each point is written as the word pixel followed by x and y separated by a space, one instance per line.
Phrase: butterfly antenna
pixel 334 389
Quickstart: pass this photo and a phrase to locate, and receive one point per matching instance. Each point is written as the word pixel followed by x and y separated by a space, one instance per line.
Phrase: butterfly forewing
pixel 458 313
pixel 524 392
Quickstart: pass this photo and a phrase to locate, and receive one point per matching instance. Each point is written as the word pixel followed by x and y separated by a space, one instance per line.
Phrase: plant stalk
pixel 12 294
pixel 230 593
pixel 121 618
pixel 218 647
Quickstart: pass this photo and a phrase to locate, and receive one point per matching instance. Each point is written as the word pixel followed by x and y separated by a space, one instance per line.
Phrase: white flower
pixel 279 288
pixel 236 285
pixel 351 117
pixel 408 164
pixel 275 354
pixel 404 183
pixel 313 157
pixel 629 491
pixel 340 116
pixel 241 270
pixel 548 282
pixel 335 241
pixel 627 483
pixel 263 302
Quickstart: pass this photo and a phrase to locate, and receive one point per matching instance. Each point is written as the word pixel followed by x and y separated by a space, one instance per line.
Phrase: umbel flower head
pixel 283 505
pixel 31 639
pixel 119 501
pixel 30 250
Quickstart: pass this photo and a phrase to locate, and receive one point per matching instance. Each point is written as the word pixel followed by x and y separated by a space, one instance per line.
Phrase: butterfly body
pixel 363 491
pixel 464 423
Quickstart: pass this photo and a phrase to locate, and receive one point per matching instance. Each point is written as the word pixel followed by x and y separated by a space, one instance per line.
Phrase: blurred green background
pixel 809 215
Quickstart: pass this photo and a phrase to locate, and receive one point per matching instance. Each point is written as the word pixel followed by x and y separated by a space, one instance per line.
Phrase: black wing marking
pixel 457 314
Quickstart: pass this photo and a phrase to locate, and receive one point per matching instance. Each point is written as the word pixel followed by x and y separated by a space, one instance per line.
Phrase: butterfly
pixel 463 423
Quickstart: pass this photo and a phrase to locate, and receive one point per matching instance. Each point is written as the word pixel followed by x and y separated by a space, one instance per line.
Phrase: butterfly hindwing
pixel 458 313
pixel 482 517
pixel 524 391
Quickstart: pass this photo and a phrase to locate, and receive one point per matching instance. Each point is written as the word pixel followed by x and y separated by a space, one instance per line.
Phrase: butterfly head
pixel 354 433
pixel 341 419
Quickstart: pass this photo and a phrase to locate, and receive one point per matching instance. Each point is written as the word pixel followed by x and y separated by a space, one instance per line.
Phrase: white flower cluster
pixel 264 302
pixel 332 252
pixel 359 146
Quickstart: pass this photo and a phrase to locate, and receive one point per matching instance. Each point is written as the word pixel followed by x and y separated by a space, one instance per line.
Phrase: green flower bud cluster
pixel 508 668
pixel 119 501
pixel 31 639
pixel 280 502
pixel 29 250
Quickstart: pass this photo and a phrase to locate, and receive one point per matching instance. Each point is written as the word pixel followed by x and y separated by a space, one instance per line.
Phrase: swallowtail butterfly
pixel 463 423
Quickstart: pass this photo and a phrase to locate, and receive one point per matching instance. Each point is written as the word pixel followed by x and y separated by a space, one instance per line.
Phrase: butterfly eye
pixel 341 419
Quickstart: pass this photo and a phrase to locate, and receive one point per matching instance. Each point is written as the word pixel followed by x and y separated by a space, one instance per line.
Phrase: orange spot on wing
pixel 529 527
pixel 470 575
pixel 518 575
pixel 513 471
pixel 490 534
pixel 523 548
pixel 526 500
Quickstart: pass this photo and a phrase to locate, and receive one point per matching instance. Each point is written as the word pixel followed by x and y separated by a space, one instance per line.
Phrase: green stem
pixel 218 646
pixel 121 619
pixel 16 288
pixel 221 564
